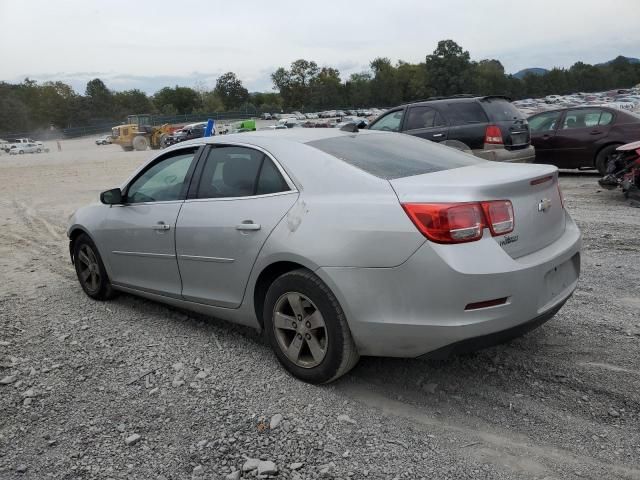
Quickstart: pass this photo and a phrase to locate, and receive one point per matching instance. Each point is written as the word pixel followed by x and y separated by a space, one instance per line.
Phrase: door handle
pixel 248 225
pixel 595 132
pixel 161 226
pixel 437 135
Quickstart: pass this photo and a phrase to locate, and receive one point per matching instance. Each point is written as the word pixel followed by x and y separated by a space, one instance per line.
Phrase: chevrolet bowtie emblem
pixel 544 205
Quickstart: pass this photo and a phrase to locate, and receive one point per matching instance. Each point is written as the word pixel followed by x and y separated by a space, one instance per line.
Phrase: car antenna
pixel 349 127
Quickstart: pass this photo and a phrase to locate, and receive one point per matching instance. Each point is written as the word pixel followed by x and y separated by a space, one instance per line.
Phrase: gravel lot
pixel 134 389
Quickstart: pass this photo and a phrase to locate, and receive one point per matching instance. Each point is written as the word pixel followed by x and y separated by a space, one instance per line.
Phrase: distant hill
pixel 629 59
pixel 542 71
pixel 535 71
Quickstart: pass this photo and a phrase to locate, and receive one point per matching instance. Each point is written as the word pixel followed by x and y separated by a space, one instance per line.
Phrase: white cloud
pixel 143 44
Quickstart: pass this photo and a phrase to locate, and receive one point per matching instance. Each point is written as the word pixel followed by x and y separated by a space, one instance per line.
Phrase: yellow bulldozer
pixel 139 134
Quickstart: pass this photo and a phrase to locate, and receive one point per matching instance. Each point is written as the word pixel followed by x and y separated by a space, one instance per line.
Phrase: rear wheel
pixel 603 158
pixel 307 328
pixel 39 150
pixel 90 269
pixel 21 152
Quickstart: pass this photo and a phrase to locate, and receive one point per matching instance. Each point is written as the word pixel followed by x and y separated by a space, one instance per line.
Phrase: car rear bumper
pixel 523 155
pixel 421 305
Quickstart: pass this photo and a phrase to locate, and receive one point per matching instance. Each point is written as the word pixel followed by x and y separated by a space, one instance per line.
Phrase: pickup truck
pixel 20 141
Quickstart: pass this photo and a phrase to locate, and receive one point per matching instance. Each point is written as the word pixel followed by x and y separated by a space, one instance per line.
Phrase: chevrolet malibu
pixel 336 244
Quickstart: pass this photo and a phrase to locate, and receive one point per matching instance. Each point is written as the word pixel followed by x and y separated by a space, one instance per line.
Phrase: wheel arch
pixel 602 147
pixel 264 280
pixel 74 232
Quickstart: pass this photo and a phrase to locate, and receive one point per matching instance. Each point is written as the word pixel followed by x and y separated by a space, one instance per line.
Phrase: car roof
pixel 455 99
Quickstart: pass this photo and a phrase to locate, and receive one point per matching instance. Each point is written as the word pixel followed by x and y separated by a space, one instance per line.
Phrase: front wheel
pixel 90 269
pixel 307 328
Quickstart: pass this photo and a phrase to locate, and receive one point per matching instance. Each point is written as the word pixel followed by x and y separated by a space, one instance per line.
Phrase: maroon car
pixel 582 137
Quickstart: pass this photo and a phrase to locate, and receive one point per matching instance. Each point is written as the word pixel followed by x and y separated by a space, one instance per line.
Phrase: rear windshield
pixel 499 110
pixel 464 113
pixel 393 155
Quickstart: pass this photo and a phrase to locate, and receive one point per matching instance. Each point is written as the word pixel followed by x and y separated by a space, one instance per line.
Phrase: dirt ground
pixel 562 402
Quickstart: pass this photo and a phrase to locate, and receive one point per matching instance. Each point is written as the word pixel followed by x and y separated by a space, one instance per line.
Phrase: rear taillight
pixel 460 222
pixel 493 135
pixel 499 215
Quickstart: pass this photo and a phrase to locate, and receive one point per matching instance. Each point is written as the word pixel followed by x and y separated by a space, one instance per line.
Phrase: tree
pixel 448 69
pixel 180 100
pixel 489 78
pixel 293 84
pixel 385 89
pixel 326 89
pixel 230 91
pixel 131 102
pixel 99 99
pixel 358 90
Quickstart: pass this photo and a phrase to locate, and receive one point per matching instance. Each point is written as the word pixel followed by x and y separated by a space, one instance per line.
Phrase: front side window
pixel 163 181
pixel 389 122
pixel 545 122
pixel 231 171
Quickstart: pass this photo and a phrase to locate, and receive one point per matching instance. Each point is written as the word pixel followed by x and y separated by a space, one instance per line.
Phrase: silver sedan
pixel 336 244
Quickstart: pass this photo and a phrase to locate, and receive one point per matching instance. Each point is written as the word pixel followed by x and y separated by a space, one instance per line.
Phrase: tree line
pixel 305 86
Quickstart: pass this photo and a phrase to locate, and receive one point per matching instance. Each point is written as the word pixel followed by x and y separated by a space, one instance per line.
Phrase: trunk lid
pixel 539 218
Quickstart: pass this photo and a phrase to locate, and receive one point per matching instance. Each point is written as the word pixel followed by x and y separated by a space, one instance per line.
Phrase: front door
pixel 239 198
pixel 140 233
pixel 543 131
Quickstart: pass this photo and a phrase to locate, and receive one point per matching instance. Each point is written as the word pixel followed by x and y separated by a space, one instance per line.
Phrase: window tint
pixel 163 181
pixel 606 118
pixel 393 156
pixel 389 122
pixel 545 122
pixel 423 117
pixel 464 113
pixel 581 119
pixel 500 110
pixel 238 172
pixel 270 180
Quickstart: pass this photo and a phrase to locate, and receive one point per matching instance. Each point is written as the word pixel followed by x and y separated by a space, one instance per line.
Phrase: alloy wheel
pixel 89 270
pixel 300 330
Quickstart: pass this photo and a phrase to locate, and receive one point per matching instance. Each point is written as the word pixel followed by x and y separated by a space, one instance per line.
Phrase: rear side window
pixel 465 113
pixel 499 110
pixel 238 172
pixel 393 156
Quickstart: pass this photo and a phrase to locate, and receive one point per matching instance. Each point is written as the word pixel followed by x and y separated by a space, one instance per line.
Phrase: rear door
pixel 239 194
pixel 579 135
pixel 425 122
pixel 543 130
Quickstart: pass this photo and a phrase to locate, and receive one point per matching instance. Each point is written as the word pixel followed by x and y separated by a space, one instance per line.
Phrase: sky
pixel 149 45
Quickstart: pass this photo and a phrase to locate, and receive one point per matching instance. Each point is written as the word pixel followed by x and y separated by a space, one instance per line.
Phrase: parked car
pixel 40 147
pixel 490 127
pixel 188 132
pixel 582 137
pixel 265 116
pixel 106 140
pixel 336 244
pixel 20 148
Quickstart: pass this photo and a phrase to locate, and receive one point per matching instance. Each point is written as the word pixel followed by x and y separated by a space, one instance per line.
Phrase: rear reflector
pixel 460 222
pixel 493 135
pixel 486 304
pixel 538 181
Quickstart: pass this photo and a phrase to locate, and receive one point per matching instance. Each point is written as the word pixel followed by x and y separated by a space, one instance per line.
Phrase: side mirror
pixel 111 197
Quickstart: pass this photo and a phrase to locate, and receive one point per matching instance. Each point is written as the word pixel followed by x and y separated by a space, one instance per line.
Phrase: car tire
pixel 291 309
pixel 90 270
pixel 20 152
pixel 603 157
pixel 39 150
